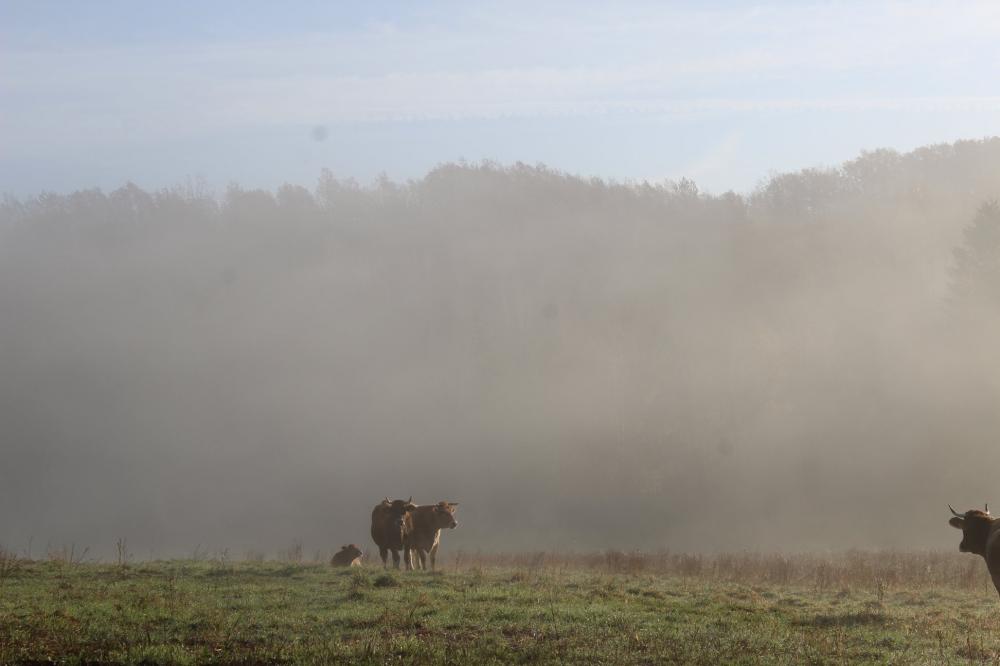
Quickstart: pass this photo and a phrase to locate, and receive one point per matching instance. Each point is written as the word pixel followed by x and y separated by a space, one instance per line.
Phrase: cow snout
pixel 454 523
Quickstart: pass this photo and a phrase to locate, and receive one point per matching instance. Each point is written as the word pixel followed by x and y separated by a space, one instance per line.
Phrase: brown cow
pixel 981 536
pixel 422 531
pixel 348 556
pixel 387 527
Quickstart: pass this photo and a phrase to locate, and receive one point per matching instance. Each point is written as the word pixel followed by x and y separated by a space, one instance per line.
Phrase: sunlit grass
pixel 611 608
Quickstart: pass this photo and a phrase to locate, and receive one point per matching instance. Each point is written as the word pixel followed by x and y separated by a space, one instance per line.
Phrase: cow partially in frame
pixel 980 536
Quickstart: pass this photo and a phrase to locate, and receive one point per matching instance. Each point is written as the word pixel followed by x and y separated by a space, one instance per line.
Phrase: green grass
pixel 270 612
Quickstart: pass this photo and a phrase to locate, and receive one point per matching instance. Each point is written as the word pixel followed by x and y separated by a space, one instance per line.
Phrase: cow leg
pixel 395 558
pixel 384 554
pixel 434 552
pixel 408 558
pixel 423 558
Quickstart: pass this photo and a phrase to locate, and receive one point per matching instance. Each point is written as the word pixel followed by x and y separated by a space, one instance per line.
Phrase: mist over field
pixel 582 364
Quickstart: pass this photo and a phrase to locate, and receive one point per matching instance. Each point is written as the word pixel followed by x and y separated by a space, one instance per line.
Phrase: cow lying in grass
pixel 347 556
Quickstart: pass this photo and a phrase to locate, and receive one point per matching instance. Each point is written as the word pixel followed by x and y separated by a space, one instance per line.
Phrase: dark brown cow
pixel 980 535
pixel 347 556
pixel 387 527
pixel 422 531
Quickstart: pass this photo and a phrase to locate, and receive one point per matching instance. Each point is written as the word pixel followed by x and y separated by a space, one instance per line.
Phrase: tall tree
pixel 976 274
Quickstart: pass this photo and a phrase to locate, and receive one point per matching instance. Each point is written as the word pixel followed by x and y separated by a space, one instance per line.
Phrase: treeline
pixel 944 173
pixel 592 355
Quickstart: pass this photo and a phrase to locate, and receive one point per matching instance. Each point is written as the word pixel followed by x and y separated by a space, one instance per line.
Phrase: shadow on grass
pixel 859 619
pixel 386 580
pixel 289 571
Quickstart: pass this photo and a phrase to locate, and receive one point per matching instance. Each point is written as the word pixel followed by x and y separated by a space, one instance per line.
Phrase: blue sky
pixel 97 93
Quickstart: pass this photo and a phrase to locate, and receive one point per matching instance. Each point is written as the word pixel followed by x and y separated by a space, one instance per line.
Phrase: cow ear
pixel 453 504
pixel 958 523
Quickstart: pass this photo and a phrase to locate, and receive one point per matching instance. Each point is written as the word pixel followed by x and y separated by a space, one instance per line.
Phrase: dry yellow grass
pixel 847 569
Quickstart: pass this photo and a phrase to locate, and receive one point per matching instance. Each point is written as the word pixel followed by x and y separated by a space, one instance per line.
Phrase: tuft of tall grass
pixel 67 555
pixel 10 564
pixel 293 553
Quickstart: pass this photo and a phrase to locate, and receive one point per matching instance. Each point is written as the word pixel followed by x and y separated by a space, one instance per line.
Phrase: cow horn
pixel 987 506
pixel 410 501
pixel 956 513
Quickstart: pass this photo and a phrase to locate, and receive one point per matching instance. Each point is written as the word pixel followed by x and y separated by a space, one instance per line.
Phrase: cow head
pixel 352 549
pixel 975 526
pixel 398 509
pixel 444 515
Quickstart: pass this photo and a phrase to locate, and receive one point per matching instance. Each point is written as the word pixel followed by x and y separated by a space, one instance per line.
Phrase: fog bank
pixel 580 363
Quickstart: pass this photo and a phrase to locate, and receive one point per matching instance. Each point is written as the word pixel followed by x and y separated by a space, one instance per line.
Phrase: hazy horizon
pixel 698 276
pixel 581 364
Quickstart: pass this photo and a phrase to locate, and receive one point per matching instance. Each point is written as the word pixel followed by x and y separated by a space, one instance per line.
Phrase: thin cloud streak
pixel 476 64
pixel 400 72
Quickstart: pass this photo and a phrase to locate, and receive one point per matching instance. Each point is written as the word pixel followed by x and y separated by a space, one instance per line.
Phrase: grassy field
pixel 611 608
